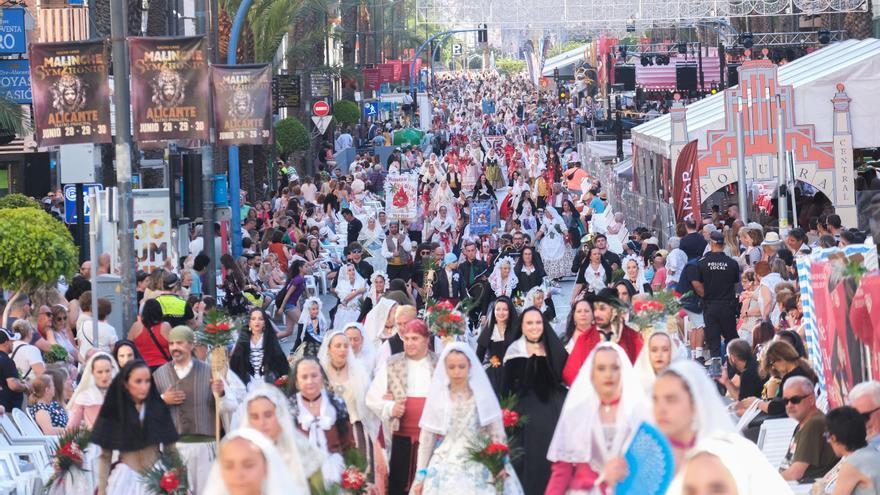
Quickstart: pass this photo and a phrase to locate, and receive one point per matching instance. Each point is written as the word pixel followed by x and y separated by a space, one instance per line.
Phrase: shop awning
pixel 855 63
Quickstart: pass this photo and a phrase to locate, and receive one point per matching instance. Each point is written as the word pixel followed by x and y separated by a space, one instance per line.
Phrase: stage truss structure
pixel 617 15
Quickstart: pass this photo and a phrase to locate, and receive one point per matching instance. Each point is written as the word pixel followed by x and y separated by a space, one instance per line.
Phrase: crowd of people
pixel 307 383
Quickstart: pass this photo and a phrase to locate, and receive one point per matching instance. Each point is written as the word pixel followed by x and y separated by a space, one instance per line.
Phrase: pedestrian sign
pixel 371 109
pixel 70 202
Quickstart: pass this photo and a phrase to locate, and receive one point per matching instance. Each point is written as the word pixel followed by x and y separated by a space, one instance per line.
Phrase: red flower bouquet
pixel 218 329
pixel 68 455
pixel 648 310
pixel 445 321
pixel 512 420
pixel 354 479
pixel 167 477
pixel 495 457
pixel 282 381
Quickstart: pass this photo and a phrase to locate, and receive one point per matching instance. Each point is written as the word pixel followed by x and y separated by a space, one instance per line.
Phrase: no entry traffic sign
pixel 320 108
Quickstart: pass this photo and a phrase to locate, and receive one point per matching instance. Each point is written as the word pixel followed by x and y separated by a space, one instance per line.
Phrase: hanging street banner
pixel 242 103
pixel 71 92
pixel 169 88
pixel 686 188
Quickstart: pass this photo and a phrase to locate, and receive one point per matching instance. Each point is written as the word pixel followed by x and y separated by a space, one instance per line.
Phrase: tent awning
pixel 814 77
pixel 563 60
pixel 624 169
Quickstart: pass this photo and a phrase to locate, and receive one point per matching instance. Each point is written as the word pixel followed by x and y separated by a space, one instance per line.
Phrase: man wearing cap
pixel 12 388
pixel 717 276
pixel 608 326
pixel 186 385
pixel 397 395
pixel 175 310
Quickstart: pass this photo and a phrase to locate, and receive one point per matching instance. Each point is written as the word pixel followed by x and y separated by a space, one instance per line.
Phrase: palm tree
pixel 12 117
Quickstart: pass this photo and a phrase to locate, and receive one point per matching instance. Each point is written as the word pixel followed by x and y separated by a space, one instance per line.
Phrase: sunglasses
pixel 794 400
pixel 356 251
pixel 867 415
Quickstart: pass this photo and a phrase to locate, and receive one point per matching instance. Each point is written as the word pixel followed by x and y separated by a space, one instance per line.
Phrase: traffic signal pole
pixel 412 67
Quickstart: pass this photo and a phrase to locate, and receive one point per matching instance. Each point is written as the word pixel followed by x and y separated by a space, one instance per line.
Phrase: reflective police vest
pixel 172 305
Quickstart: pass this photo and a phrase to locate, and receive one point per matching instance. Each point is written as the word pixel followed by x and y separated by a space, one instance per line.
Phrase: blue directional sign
pixel 70 202
pixel 371 109
pixel 12 33
pixel 15 81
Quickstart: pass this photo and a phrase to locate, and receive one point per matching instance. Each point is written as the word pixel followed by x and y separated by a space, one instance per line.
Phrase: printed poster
pixel 71 92
pixel 481 217
pixel 242 103
pixel 169 88
pixel 152 228
pixel 401 196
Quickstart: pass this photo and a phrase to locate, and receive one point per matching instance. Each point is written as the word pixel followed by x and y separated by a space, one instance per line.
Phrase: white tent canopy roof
pixel 814 77
pixel 563 59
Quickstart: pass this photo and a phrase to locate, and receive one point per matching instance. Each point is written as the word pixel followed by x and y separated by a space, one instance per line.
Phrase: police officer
pixel 717 276
pixel 175 309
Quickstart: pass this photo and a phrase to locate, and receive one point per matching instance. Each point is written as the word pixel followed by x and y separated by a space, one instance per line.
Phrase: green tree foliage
pixel 11 116
pixel 509 66
pixel 564 47
pixel 35 249
pixel 346 112
pixel 17 201
pixel 291 136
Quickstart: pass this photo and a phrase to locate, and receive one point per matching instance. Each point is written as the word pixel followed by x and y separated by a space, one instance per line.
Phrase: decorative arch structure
pixel 758 100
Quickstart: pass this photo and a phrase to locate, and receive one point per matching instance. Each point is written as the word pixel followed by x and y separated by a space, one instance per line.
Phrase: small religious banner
pixel 401 196
pixel 481 217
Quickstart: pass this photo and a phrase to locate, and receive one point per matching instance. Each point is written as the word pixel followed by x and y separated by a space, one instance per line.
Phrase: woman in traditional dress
pixel 441 195
pixel 687 407
pixel 348 379
pixel 378 285
pixel 500 331
pixel 472 170
pixel 528 220
pixel 503 280
pixel 312 328
pixel 539 297
pixel 371 238
pixel 135 422
pixel 379 324
pixel 594 274
pixel 529 270
pixel 483 191
pixel 493 169
pixel 249 462
pixel 604 407
pixel 321 415
pixel 350 289
pixel 361 346
pixel 88 397
pixel 265 409
pixel 453 178
pixel 580 322
pixel 659 351
pixel 442 229
pixel 633 273
pixel 257 355
pixel 460 409
pixel 552 244
pixel 727 463
pixel 533 374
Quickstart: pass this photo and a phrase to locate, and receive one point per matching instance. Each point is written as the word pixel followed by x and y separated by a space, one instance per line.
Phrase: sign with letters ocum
pixel 12 33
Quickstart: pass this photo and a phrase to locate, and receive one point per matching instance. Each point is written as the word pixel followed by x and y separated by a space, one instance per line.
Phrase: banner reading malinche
pixel 242 103
pixel 71 93
pixel 169 88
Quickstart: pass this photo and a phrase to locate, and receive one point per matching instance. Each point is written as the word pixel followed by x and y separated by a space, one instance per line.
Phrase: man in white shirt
pixel 397 396
pixel 106 338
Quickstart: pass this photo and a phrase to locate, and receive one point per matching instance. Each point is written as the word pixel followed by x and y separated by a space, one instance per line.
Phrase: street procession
pixel 266 247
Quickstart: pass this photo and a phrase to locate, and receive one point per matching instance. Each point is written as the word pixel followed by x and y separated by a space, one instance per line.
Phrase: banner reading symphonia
pixel 242 103
pixel 169 88
pixel 71 94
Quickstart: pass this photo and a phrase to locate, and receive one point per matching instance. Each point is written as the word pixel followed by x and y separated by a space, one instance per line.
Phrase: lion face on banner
pixel 242 104
pixel 168 89
pixel 68 94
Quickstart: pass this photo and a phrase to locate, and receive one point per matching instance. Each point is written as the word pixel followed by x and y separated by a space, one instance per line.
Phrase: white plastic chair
pixel 29 457
pixel 774 438
pixel 28 425
pixel 748 415
pixel 13 479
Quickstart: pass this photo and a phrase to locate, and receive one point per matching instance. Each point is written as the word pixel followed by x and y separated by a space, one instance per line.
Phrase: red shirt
pixel 152 354
pixel 630 341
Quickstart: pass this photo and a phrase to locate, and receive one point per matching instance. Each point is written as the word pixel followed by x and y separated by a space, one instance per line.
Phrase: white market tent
pixel 563 60
pixel 855 63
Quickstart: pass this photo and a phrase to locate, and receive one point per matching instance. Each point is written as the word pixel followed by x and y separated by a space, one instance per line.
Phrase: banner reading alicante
pixel 71 93
pixel 169 88
pixel 242 103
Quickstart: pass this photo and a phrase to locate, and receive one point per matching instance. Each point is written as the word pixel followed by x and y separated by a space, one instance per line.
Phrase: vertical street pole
pixel 782 161
pixel 206 25
pixel 234 163
pixel 741 165
pixel 122 141
pixel 94 225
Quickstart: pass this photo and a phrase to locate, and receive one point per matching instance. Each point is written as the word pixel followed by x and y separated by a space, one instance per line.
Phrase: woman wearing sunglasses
pixel 58 332
pixel 858 472
pixel 782 360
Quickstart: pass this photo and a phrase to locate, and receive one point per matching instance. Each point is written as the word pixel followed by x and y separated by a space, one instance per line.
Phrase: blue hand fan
pixel 651 465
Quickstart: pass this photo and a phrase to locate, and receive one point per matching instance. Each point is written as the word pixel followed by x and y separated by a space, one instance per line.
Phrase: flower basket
pixel 650 312
pixel 445 320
